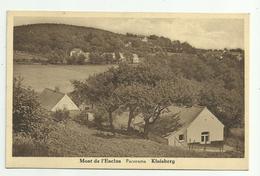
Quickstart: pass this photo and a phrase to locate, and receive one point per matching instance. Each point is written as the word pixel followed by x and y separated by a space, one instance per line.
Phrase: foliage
pixel 31 125
pixel 76 60
pixel 25 145
pixel 156 99
pixel 27 113
pixel 61 115
pixel 55 41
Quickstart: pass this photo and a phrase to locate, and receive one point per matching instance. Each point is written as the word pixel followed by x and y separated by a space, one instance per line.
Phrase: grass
pixel 74 140
pixel 49 76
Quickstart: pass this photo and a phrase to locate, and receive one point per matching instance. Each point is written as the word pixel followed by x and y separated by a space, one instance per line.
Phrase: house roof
pixel 49 98
pixel 175 118
pixel 185 114
pixel 172 119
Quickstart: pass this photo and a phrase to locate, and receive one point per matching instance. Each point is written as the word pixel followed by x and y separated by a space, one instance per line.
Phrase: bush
pixel 27 113
pixel 82 118
pixel 100 116
pixel 61 115
pixel 24 145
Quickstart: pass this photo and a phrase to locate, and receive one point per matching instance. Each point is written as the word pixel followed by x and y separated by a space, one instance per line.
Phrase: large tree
pixel 26 108
pixel 165 93
pixel 100 90
pixel 129 96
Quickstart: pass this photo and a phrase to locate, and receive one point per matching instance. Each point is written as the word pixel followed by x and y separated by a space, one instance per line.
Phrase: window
pixel 205 137
pixel 181 137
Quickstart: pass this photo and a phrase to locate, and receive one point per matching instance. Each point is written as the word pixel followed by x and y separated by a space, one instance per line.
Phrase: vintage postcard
pixel 127 90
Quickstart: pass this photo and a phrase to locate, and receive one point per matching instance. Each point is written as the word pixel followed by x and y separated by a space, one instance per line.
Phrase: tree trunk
pixel 111 122
pixel 146 129
pixel 131 116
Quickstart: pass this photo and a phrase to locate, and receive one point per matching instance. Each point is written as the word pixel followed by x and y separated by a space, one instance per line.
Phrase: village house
pixel 144 39
pixel 109 54
pixel 78 52
pixel 128 44
pixel 122 58
pixel 53 100
pixel 192 125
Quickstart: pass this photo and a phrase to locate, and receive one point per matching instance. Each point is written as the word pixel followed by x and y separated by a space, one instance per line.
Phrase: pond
pixel 49 76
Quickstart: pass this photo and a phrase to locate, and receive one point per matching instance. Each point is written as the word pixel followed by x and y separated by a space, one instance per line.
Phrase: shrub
pixel 27 113
pixel 61 115
pixel 82 118
pixel 25 145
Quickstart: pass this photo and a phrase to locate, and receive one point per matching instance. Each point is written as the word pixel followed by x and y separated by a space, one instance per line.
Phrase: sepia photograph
pixel 127 90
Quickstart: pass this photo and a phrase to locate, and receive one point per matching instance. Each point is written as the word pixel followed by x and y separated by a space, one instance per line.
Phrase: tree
pixel 129 96
pixel 225 104
pixel 101 90
pixel 28 116
pixel 26 109
pixel 133 80
pixel 165 93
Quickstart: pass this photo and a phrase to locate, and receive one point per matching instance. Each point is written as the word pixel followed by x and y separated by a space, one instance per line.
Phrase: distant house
pixel 189 125
pixel 108 54
pixel 52 100
pixel 136 59
pixel 128 44
pixel 122 58
pixel 144 39
pixel 78 52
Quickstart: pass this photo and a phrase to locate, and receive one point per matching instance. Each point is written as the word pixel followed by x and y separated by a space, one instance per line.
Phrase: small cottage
pixel 53 100
pixel 181 126
pixel 196 125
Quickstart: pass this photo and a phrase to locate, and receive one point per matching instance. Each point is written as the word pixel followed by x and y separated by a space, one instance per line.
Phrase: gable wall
pixel 205 121
pixel 65 103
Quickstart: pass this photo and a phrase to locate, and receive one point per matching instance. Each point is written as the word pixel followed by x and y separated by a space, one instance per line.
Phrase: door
pixel 205 138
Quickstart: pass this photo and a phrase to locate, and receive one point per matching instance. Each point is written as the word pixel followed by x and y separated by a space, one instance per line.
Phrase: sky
pixel 201 33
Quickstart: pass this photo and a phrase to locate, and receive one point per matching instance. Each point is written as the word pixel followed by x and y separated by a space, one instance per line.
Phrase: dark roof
pixel 49 98
pixel 175 118
pixel 185 114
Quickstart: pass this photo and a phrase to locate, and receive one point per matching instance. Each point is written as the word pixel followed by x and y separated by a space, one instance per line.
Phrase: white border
pixel 234 6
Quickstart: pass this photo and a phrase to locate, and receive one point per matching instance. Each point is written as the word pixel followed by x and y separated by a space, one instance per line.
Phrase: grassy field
pixel 74 140
pixel 49 76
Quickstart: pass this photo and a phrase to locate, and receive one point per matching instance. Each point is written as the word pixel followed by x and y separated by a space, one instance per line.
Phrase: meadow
pixel 49 76
pixel 74 140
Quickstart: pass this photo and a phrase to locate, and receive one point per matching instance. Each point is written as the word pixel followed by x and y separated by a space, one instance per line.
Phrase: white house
pixel 194 124
pixel 144 39
pixel 197 125
pixel 52 100
pixel 78 52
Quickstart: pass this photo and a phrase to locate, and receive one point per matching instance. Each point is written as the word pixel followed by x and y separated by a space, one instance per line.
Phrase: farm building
pixel 53 100
pixel 186 125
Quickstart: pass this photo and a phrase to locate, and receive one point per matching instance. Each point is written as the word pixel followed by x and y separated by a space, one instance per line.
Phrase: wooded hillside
pixel 55 41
